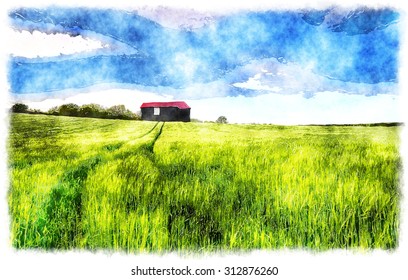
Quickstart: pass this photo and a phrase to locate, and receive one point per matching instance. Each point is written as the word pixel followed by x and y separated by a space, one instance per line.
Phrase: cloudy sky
pixel 297 66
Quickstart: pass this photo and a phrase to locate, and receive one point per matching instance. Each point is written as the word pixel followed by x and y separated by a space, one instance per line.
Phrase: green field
pixel 81 183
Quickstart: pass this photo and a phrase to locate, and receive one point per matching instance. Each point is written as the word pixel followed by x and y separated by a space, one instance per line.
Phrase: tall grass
pixel 144 186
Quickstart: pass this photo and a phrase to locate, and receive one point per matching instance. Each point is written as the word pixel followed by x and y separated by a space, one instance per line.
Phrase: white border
pixel 292 264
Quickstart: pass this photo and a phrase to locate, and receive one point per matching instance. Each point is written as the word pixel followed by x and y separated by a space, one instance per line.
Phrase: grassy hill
pixel 145 186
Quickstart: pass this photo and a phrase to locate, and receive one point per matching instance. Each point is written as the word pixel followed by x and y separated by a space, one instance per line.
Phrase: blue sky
pixel 269 66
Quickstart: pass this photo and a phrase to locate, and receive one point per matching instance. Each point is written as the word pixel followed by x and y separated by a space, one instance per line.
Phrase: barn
pixel 166 111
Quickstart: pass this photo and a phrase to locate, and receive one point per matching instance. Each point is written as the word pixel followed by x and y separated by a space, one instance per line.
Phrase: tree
pixel 120 112
pixel 91 110
pixel 53 111
pixel 19 108
pixel 221 119
pixel 69 109
pixel 116 111
pixel 94 111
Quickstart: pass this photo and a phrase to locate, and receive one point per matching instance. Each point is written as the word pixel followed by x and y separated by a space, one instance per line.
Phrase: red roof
pixel 178 104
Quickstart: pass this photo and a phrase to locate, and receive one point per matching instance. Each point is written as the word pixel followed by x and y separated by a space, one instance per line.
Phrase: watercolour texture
pixel 289 136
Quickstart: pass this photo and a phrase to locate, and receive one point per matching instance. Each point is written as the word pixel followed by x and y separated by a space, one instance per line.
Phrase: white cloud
pixel 255 83
pixel 290 78
pixel 176 18
pixel 39 44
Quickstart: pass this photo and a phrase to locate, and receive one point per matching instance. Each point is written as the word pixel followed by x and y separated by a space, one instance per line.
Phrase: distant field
pixel 144 186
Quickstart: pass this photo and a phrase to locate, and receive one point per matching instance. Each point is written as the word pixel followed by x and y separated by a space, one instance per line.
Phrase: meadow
pixel 133 186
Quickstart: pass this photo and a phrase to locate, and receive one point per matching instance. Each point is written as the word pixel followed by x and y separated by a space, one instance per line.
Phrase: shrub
pixel 221 119
pixel 19 108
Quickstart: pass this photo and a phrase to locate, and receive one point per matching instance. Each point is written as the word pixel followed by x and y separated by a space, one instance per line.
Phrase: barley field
pixel 132 186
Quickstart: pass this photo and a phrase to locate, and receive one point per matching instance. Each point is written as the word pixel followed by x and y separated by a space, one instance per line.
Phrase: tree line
pixel 88 111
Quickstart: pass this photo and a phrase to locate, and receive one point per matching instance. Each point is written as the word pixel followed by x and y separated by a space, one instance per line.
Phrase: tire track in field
pixel 147 133
pixel 150 146
pixel 59 223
